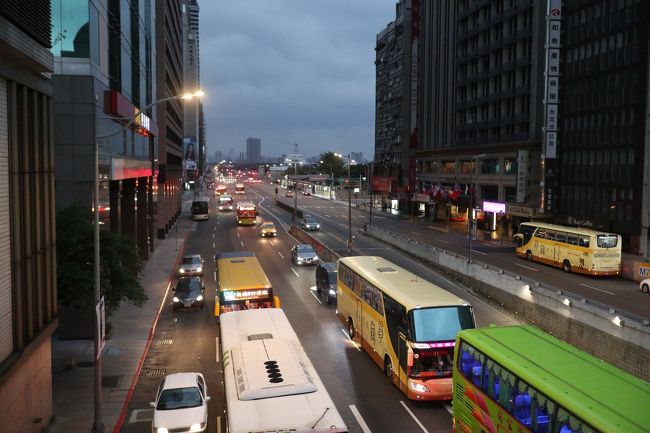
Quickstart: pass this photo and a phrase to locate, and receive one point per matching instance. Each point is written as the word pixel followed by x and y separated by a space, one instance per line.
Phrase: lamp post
pixel 295 193
pixel 470 210
pixel 349 158
pixel 98 424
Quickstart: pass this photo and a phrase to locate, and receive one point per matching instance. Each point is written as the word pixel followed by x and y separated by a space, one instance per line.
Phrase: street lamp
pixel 98 425
pixel 349 201
pixel 470 210
pixel 295 193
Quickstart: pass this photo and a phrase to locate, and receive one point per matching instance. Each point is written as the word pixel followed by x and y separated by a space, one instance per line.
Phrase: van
pixel 326 281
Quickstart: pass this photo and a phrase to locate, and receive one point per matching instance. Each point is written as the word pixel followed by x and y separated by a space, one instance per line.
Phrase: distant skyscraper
pixel 218 156
pixel 357 157
pixel 254 149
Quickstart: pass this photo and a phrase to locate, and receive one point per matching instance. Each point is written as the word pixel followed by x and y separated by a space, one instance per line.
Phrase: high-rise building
pixel 357 157
pixel 481 103
pixel 394 131
pixel 104 96
pixel 28 292
pixel 603 145
pixel 254 149
pixel 169 79
pixel 192 81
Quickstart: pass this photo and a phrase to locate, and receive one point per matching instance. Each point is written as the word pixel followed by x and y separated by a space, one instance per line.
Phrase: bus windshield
pixel 440 323
pixel 199 207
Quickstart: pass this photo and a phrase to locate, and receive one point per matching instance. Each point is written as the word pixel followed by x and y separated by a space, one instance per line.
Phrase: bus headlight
pixel 181 270
pixel 162 430
pixel 199 298
pixel 199 269
pixel 418 387
pixel 176 299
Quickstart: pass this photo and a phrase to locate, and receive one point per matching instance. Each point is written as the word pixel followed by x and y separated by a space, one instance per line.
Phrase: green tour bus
pixel 520 379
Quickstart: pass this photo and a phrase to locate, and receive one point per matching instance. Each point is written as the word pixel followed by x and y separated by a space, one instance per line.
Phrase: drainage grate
pixel 141 415
pixel 156 371
pixel 110 381
pixel 165 342
pixel 85 363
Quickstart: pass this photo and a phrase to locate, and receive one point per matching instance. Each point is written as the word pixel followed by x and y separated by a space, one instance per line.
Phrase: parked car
pixel 188 293
pixel 289 193
pixel 268 229
pixel 326 281
pixel 181 404
pixel 304 254
pixel 644 285
pixel 191 264
pixel 309 223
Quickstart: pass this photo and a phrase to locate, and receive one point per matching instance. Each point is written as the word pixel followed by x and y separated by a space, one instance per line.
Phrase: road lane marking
pixel 280 254
pixel 600 290
pixel 238 235
pixel 294 271
pixel 415 233
pixel 414 417
pixel 213 247
pixel 527 267
pixel 311 290
pixel 327 216
pixel 360 420
pixel 448 408
pixel 479 252
pixel 242 243
pixel 215 276
pixel 217 340
pixel 348 337
pixel 440 240
pixel 218 424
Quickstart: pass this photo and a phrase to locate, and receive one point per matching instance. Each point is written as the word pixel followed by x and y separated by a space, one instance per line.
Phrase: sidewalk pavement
pixel 123 355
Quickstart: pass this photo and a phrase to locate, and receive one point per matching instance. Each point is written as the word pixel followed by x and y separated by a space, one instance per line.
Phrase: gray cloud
pixel 291 71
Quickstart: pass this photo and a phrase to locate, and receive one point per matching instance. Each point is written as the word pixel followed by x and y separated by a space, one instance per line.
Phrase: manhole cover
pixel 141 415
pixel 165 341
pixel 156 372
pixel 110 381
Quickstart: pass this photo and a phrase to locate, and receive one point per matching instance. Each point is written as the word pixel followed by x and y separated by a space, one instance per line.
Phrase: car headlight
pixel 181 270
pixel 315 257
pixel 162 430
pixel 418 387
pixel 332 292
pixel 298 259
pixel 317 226
pixel 197 427
pixel 199 269
pixel 199 298
pixel 176 299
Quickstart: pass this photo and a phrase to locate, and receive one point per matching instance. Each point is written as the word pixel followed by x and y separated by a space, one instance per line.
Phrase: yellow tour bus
pixel 406 324
pixel 242 283
pixel 573 249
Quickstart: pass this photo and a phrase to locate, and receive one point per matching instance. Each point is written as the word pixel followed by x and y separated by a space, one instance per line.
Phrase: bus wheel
pixel 388 368
pixel 351 329
pixel 566 266
pixel 529 256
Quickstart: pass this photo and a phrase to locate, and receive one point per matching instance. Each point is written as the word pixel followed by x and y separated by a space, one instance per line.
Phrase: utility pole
pixel 349 208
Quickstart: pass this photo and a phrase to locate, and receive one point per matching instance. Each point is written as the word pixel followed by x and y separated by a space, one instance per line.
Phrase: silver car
pixel 304 254
pixel 191 265
pixel 309 224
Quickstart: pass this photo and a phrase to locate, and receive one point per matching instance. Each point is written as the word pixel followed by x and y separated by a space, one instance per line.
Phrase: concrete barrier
pixel 618 338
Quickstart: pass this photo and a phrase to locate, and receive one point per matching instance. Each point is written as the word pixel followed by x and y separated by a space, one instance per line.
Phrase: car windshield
pixel 441 323
pixel 268 226
pixel 179 398
pixel 191 260
pixel 309 221
pixel 304 249
pixel 331 277
pixel 188 285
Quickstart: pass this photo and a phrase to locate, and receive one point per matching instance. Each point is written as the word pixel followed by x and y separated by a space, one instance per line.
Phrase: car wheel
pixel 351 329
pixel 645 288
pixel 388 368
pixel 529 255
pixel 326 298
pixel 566 266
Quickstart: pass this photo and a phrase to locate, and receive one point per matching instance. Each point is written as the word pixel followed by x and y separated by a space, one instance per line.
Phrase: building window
pixel 449 167
pixel 490 166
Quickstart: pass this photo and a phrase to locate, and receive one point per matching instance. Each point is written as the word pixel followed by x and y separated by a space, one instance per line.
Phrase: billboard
pixel 189 154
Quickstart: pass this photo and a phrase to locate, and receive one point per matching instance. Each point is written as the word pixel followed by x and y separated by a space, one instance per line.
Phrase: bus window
pixel 583 241
pixel 568 423
pixel 490 383
pixel 607 241
pixel 471 363
pixel 560 237
pixel 572 239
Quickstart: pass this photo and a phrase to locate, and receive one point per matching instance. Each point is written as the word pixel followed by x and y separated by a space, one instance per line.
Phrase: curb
pixel 152 330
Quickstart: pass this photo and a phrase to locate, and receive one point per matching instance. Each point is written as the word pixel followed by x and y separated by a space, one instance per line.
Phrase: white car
pixel 181 404
pixel 644 285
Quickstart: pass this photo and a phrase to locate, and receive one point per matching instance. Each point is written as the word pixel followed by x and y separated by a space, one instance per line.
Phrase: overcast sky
pixel 290 71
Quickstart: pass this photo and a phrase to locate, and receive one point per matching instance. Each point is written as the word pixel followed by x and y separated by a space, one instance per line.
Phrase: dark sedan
pixel 189 293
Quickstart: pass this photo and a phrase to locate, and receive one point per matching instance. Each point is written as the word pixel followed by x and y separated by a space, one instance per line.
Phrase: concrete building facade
pixel 253 150
pixel 28 292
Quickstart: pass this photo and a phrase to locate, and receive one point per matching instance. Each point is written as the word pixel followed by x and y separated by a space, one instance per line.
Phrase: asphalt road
pixel 614 292
pixel 187 340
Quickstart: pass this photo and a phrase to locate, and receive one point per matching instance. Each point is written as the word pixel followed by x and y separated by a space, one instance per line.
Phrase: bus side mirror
pixel 409 358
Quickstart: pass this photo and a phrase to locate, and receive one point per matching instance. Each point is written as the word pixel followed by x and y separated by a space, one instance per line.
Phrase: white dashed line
pixel 448 408
pixel 527 267
pixel 280 254
pixel 440 240
pixel 596 288
pixel 294 271
pixel 479 252
pixel 217 341
pixel 360 420
pixel 313 293
pixel 414 417
pixel 242 243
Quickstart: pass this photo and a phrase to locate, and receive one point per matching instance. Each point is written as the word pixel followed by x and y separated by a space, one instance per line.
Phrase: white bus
pixel 271 385
pixel 200 209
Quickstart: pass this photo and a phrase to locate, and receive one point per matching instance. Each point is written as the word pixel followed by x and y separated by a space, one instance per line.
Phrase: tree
pixel 331 164
pixel 120 264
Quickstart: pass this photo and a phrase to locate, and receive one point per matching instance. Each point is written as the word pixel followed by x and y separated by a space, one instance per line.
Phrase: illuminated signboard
pixel 242 295
pixel 490 206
